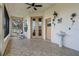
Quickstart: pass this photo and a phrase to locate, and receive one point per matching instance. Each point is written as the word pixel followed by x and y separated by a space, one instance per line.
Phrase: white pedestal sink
pixel 61 34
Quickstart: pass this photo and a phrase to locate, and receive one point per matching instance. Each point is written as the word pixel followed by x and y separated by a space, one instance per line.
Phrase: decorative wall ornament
pixel 73 15
pixel 60 20
pixel 17 24
pixel 55 14
pixel 53 23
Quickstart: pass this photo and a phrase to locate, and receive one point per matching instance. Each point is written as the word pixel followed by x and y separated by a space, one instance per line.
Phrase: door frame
pixel 31 25
pixel 46 27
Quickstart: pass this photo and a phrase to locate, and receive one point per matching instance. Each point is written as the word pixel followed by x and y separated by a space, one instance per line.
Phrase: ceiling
pixel 21 8
pixel 40 9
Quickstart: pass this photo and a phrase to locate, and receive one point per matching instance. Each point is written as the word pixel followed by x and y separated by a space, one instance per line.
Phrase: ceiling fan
pixel 33 5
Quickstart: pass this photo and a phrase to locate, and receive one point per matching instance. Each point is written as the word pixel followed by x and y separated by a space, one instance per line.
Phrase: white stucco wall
pixel 64 11
pixel 0 27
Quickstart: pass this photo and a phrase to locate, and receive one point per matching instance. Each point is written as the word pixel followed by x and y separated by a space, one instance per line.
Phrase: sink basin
pixel 62 35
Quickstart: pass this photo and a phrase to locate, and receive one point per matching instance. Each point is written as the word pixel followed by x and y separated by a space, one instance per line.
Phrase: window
pixel 6 22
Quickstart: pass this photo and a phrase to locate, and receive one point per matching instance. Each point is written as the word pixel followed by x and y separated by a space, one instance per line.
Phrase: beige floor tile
pixel 36 47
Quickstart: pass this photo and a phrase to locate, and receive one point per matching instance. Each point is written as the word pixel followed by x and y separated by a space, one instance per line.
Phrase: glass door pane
pixel 40 27
pixel 33 27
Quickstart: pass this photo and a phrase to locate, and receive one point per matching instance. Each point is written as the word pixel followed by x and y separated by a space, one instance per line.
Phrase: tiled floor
pixel 36 47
